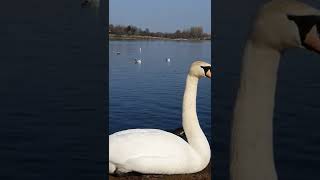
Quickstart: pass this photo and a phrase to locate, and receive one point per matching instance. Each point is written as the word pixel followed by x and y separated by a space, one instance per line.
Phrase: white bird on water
pixel 116 52
pixel 154 151
pixel 138 61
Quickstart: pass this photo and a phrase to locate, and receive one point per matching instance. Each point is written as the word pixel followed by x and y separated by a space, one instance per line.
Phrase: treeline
pixel 195 32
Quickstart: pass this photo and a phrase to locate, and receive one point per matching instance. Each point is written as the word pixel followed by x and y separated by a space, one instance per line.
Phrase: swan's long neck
pixel 190 122
pixel 252 128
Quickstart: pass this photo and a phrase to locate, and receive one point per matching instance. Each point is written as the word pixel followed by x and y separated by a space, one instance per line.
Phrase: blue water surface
pixel 149 95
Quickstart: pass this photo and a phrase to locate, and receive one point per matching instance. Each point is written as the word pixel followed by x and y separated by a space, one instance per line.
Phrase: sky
pixel 161 15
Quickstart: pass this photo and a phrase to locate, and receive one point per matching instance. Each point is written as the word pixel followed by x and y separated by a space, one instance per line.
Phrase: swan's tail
pixel 112 168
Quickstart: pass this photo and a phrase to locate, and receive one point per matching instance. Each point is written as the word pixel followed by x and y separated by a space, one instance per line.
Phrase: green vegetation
pixel 133 32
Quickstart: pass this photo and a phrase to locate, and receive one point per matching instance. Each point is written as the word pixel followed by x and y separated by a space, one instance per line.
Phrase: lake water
pixel 149 95
pixel 52 119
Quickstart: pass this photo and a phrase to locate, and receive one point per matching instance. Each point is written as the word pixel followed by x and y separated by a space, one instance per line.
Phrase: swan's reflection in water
pixel 138 67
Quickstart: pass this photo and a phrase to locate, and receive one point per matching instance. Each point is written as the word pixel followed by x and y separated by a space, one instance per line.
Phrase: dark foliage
pixel 195 32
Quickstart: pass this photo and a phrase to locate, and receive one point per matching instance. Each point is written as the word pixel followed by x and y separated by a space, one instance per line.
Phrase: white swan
pixel 168 59
pixel 137 61
pixel 116 52
pixel 279 25
pixel 154 151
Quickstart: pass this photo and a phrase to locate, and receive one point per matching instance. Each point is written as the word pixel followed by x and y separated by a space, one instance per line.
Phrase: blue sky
pixel 161 15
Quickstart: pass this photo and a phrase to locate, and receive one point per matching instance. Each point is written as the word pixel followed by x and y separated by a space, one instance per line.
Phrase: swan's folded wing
pixel 135 143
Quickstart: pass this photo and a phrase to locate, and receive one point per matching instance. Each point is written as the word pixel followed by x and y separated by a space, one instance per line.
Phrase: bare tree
pixel 195 32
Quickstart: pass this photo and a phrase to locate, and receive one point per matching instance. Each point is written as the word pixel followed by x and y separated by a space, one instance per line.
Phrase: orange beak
pixel 312 39
pixel 208 74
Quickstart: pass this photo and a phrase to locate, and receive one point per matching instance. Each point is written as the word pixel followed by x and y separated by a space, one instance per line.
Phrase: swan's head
pixel 285 24
pixel 200 69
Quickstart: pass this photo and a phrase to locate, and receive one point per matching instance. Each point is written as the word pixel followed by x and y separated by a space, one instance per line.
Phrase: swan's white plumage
pixel 138 61
pixel 158 147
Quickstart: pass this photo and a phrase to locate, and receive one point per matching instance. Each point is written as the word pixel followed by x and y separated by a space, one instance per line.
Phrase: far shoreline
pixel 139 37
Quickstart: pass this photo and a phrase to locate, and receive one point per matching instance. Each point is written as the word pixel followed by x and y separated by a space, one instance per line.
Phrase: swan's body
pixel 163 152
pixel 279 25
pixel 168 59
pixel 137 61
pixel 154 151
pixel 116 52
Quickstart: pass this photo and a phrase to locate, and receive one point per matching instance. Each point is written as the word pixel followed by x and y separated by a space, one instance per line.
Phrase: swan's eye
pixel 206 68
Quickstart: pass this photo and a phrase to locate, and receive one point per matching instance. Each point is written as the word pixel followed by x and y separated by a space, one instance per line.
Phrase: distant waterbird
pixel 168 60
pixel 116 52
pixel 138 61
